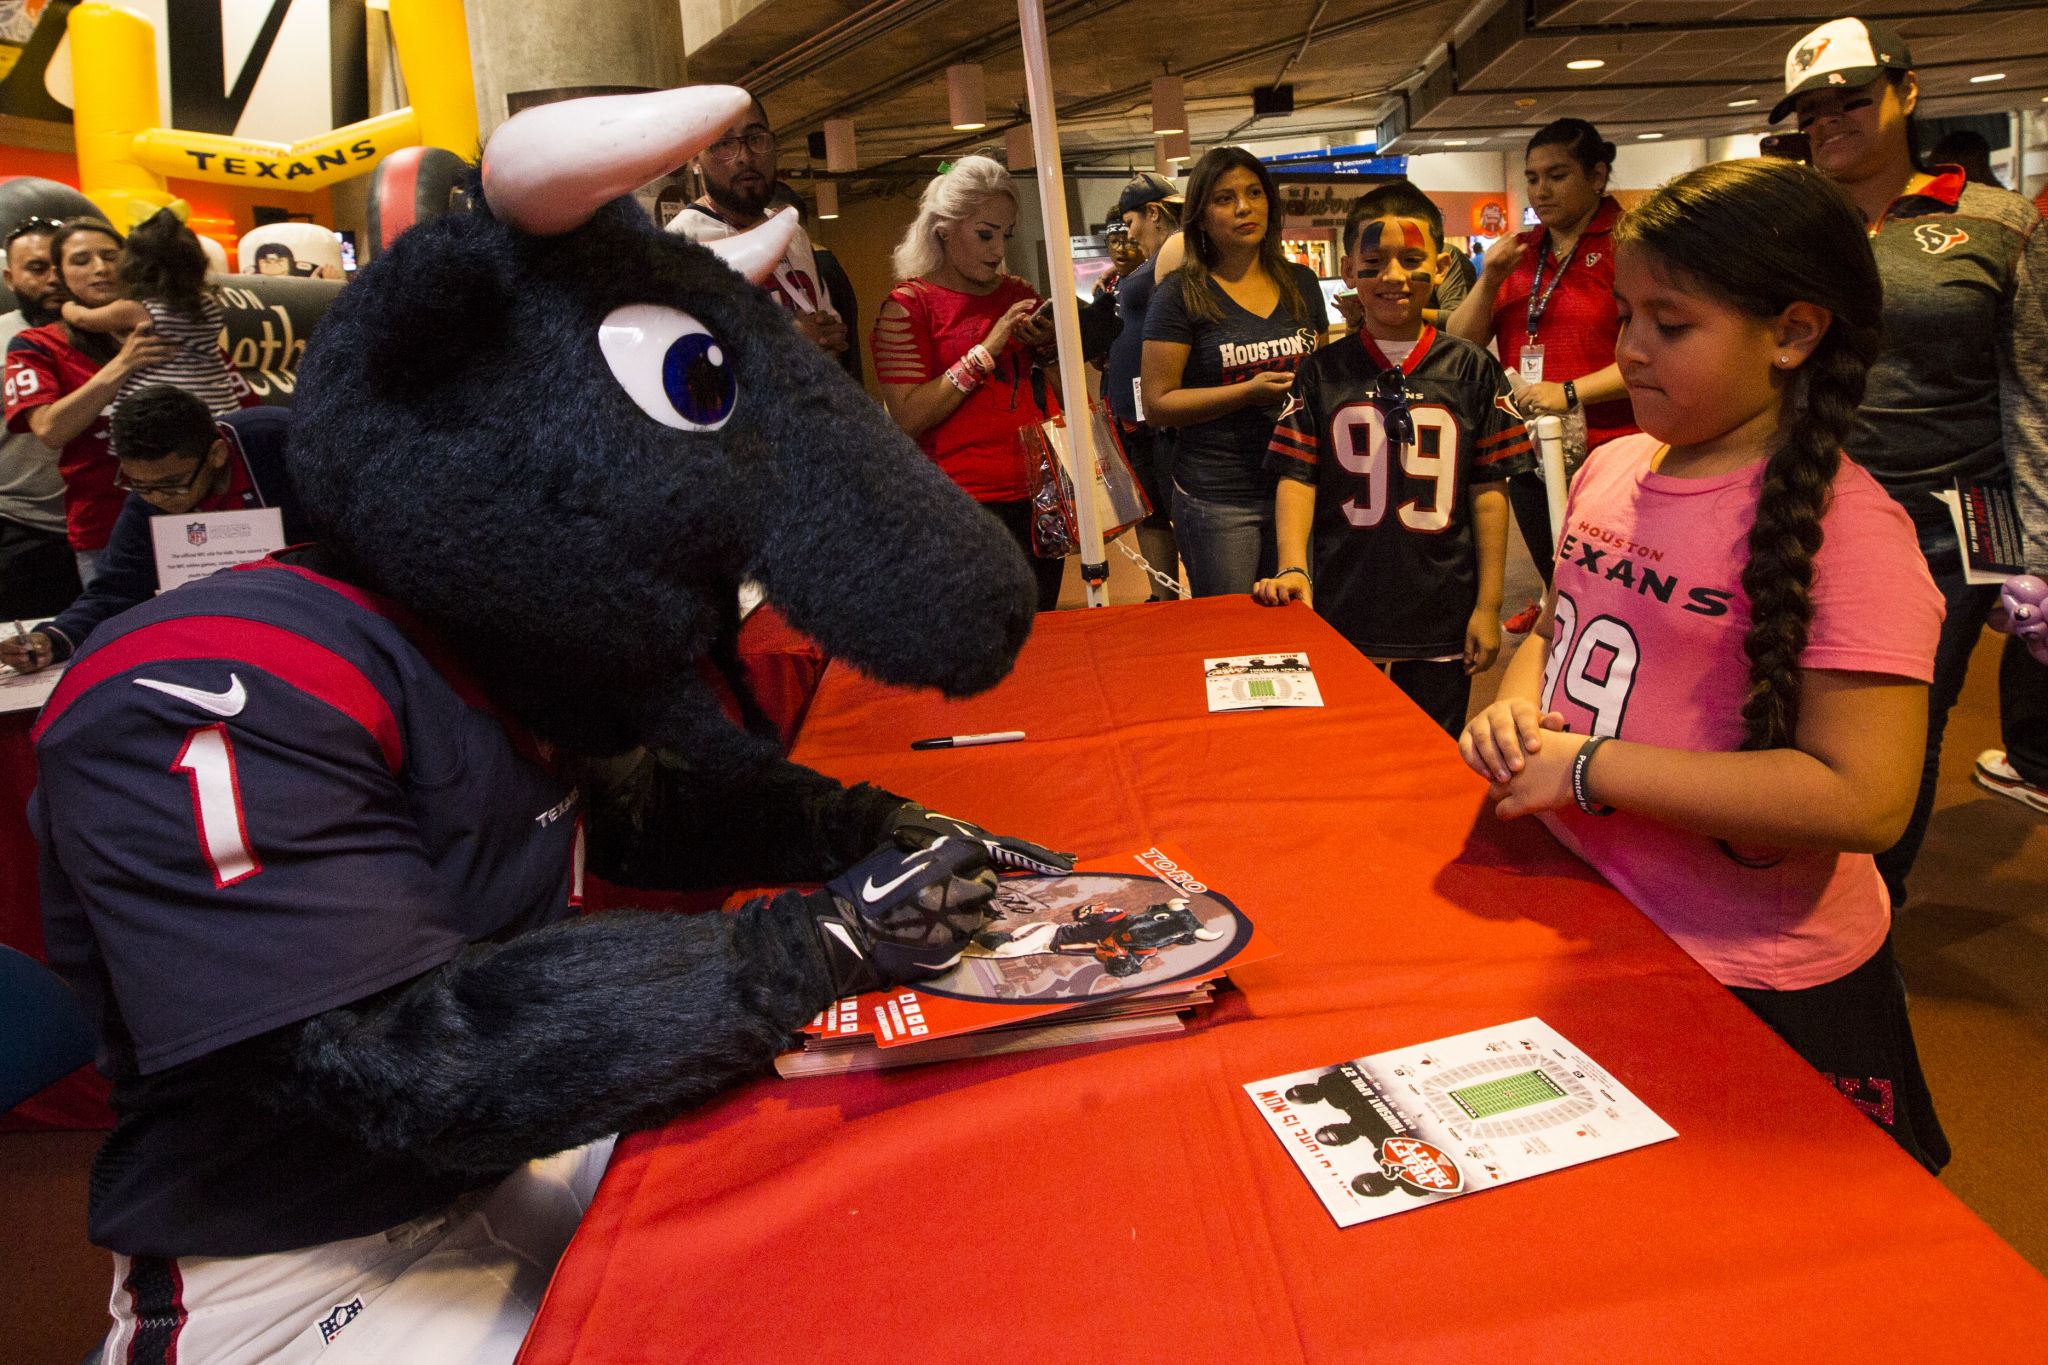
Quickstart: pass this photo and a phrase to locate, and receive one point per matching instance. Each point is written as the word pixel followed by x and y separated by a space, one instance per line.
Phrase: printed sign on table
pixel 1397 1130
pixel 197 543
pixel 1253 682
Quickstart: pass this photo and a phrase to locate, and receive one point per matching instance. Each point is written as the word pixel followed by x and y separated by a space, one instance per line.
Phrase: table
pixel 1129 1202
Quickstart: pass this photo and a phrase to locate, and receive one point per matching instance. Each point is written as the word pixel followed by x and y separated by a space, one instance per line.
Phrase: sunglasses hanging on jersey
pixel 1390 396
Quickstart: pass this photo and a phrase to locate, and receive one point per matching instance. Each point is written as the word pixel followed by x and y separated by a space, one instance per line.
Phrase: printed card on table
pixel 198 543
pixel 1253 682
pixel 1383 1134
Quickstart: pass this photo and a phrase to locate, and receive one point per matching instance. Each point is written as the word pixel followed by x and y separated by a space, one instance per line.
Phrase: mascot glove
pixel 912 827
pixel 903 915
pixel 2022 610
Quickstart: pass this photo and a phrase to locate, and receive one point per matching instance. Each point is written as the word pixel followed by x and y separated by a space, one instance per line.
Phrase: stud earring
pixel 1784 360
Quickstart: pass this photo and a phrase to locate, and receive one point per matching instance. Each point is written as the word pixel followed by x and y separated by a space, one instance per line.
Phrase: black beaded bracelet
pixel 1303 572
pixel 1582 761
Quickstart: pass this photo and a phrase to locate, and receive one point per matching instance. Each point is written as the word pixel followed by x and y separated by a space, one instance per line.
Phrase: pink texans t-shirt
pixel 1650 621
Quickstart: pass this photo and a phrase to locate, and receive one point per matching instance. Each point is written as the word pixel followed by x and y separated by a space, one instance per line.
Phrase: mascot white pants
pixel 457 1287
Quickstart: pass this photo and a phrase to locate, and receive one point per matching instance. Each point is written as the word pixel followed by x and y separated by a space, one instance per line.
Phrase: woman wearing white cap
pixel 1959 390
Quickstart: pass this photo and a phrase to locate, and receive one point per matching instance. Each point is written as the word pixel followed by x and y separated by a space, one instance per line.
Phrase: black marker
pixel 968 741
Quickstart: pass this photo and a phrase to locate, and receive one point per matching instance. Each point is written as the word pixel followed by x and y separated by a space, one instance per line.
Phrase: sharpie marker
pixel 968 741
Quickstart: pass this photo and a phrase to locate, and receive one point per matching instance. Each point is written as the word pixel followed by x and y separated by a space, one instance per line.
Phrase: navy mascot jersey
pixel 1395 566
pixel 278 804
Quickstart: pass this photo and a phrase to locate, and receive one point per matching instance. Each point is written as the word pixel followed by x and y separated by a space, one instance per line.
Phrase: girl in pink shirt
pixel 1741 629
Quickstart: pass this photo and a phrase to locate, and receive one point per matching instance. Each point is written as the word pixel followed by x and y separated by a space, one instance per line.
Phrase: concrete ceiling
pixel 1430 74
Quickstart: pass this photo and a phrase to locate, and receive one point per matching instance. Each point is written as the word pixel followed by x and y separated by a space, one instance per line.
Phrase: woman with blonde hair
pixel 957 346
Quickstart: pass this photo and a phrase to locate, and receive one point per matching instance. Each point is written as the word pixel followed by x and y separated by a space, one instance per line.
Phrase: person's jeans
pixel 1226 546
pixel 1967 604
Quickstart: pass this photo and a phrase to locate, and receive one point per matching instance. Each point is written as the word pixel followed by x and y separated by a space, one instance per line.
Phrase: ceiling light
pixel 1740 104
pixel 1169 106
pixel 1178 147
pixel 1648 137
pixel 828 199
pixel 1457 142
pixel 966 103
pixel 1018 153
pixel 1585 64
pixel 1986 80
pixel 839 156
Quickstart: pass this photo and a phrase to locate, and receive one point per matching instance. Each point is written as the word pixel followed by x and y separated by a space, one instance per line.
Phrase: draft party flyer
pixel 1383 1134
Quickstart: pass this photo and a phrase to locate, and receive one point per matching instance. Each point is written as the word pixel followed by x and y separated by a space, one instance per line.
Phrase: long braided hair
pixel 1761 235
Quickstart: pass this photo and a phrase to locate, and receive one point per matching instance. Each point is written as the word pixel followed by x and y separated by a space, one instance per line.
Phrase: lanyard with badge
pixel 1539 304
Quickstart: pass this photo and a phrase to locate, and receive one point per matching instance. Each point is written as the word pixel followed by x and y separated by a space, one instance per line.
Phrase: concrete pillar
pixel 522 48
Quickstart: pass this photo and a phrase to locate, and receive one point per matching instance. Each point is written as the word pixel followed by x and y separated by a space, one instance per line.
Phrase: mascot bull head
pixel 564 438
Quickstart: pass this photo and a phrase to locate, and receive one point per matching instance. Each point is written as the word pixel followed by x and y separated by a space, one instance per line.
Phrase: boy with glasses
pixel 175 459
pixel 1393 453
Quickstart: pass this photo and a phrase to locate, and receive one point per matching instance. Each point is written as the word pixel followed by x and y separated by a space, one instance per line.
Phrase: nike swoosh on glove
pixel 913 827
pixel 903 915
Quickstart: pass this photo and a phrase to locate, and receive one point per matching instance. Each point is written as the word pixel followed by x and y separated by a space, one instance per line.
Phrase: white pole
pixel 1550 450
pixel 1066 309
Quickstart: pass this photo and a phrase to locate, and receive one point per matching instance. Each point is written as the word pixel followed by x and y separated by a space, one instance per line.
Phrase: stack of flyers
pixel 1253 682
pixel 1097 954
pixel 1417 1125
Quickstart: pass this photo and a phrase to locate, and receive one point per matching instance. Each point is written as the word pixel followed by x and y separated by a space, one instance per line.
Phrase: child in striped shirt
pixel 163 276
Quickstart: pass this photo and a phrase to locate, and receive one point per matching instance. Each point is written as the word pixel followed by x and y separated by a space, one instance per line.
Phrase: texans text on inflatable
pixel 253 168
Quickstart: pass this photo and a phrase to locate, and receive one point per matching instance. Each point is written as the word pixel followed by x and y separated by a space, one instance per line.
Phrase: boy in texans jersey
pixel 1392 452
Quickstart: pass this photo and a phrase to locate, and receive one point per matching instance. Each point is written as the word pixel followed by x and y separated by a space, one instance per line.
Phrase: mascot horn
pixel 611 435
pixel 317 881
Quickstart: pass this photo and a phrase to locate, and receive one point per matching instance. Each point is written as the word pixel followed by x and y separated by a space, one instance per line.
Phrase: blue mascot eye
pixel 670 365
pixel 699 383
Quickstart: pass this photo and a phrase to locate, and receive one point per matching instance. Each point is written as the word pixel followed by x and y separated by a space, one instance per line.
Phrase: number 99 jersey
pixel 1396 570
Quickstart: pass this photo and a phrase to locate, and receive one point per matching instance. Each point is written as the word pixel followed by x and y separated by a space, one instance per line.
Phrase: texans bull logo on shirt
pixel 1935 238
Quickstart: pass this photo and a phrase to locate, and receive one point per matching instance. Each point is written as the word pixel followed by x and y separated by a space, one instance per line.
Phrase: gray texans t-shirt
pixel 1224 460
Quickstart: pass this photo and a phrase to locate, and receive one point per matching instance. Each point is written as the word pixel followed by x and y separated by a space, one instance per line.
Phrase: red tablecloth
pixel 1129 1202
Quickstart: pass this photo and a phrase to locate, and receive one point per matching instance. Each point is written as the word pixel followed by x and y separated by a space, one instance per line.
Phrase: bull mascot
pixel 313 830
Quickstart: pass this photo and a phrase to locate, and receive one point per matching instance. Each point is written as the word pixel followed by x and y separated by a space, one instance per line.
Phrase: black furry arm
pixel 557 1037
pixel 662 824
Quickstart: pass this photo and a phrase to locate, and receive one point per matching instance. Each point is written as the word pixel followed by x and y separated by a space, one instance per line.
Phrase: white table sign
pixel 194 544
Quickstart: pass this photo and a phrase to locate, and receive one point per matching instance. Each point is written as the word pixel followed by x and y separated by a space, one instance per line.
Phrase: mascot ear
pixel 451 298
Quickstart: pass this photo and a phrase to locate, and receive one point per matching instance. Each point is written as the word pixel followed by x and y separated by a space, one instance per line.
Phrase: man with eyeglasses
pixel 38 573
pixel 739 190
pixel 175 459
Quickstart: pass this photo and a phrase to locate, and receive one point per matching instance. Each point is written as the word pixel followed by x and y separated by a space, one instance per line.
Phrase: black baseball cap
pixel 1842 54
pixel 1148 188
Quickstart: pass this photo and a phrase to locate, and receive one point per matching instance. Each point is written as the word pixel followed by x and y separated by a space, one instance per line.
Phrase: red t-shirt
pixel 43 365
pixel 977 446
pixel 1579 327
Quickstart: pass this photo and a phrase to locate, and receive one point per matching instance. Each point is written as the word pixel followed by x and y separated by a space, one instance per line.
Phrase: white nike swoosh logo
pixel 872 893
pixel 228 703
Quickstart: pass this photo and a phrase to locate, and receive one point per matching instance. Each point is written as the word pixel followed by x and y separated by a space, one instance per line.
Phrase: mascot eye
pixel 671 365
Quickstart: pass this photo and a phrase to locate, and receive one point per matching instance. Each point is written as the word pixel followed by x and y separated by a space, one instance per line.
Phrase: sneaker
pixel 1994 774
pixel 1523 621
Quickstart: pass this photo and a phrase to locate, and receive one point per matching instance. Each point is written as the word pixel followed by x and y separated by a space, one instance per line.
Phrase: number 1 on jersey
pixel 208 762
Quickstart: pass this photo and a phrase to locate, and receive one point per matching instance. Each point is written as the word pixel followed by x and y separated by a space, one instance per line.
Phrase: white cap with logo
pixel 1842 54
